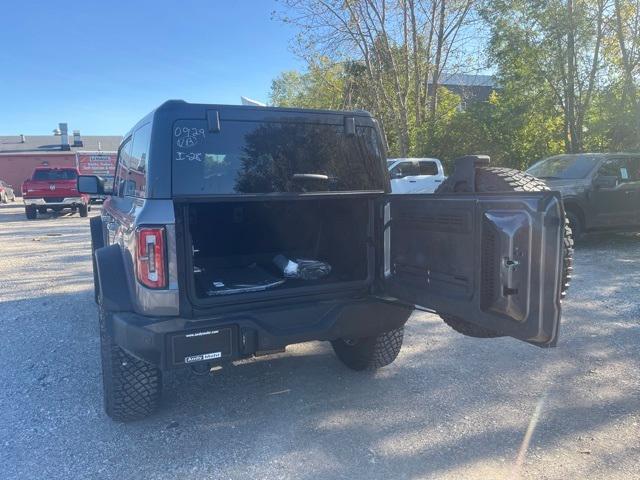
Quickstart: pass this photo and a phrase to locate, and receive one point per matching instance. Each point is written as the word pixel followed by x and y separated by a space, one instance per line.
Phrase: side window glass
pixel 138 162
pixel 411 169
pixel 122 169
pixel 634 169
pixel 622 170
pixel 405 169
pixel 428 168
pixel 625 169
pixel 608 169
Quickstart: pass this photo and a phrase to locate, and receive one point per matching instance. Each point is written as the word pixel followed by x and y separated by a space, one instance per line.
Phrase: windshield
pixel 271 157
pixel 564 167
pixel 55 174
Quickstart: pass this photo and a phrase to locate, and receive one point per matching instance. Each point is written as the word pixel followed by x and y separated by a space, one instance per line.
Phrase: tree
pixel 558 43
pixel 322 86
pixel 394 41
pixel 627 34
pixel 567 73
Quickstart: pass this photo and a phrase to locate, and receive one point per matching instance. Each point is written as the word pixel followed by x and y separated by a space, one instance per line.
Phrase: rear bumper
pixel 154 339
pixel 65 202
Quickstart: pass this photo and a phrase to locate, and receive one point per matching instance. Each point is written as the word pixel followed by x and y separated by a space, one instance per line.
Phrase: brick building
pixel 20 154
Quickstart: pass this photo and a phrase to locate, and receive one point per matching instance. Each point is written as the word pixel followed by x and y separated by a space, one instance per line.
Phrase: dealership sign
pixel 101 164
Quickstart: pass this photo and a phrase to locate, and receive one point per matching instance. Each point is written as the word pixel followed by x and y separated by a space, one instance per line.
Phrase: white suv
pixel 415 175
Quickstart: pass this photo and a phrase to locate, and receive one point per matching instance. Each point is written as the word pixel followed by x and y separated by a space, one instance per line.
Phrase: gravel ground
pixel 450 407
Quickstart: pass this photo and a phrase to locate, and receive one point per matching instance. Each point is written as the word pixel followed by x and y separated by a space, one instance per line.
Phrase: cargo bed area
pixel 248 246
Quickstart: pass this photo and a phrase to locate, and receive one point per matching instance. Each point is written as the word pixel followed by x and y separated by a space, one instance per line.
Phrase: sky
pixel 100 66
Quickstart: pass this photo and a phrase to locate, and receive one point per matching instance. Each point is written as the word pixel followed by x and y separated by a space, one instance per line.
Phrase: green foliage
pixel 513 134
pixel 612 123
pixel 321 86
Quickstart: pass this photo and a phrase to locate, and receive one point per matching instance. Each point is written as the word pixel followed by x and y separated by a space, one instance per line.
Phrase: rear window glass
pixel 55 175
pixel 270 157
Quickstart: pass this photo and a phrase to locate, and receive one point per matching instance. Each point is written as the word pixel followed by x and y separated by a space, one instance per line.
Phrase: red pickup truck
pixel 55 189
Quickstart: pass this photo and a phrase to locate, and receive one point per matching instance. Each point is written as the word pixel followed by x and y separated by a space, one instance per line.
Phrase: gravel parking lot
pixel 450 407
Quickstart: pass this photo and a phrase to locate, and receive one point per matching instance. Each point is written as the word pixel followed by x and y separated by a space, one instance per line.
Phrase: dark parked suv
pixel 236 231
pixel 601 191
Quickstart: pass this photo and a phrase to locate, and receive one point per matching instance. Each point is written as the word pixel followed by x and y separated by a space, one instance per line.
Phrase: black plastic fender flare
pixel 112 286
pixel 97 241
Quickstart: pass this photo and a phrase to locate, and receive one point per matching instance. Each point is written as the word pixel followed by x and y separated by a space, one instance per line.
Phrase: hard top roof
pixel 178 109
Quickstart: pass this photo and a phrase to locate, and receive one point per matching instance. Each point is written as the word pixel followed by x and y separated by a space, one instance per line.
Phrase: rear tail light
pixel 151 257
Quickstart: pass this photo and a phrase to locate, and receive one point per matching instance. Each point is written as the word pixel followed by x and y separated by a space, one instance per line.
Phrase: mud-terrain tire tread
pixel 501 179
pixel 131 387
pixel 370 353
pixel 575 222
pixel 468 329
pixel 84 210
pixel 567 259
pixel 31 213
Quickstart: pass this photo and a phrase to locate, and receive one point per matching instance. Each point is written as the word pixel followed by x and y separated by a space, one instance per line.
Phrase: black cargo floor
pixel 245 279
pixel 215 277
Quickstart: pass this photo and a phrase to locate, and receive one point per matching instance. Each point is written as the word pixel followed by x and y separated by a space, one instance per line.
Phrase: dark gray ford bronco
pixel 236 231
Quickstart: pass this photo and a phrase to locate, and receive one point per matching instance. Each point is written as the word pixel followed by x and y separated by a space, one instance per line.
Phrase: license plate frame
pixel 203 345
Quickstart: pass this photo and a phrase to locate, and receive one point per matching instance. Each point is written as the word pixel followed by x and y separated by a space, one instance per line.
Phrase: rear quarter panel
pixel 121 217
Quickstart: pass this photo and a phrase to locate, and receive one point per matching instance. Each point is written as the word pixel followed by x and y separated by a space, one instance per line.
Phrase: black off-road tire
pixel 4 198
pixel 370 353
pixel 30 212
pixel 131 387
pixel 468 329
pixel 84 210
pixel 499 179
pixel 575 223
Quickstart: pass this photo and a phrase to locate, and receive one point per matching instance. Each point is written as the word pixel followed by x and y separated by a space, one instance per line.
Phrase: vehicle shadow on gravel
pixel 464 400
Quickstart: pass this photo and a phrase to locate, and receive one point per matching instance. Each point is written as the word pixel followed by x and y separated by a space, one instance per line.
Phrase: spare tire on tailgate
pixel 499 179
